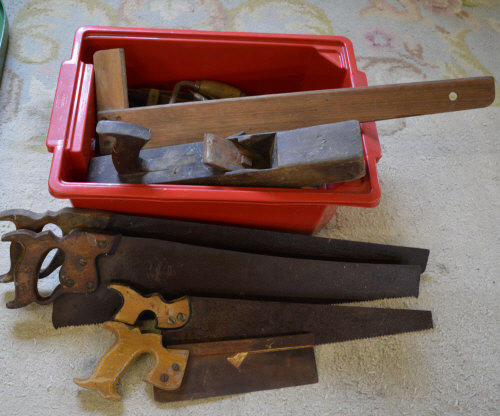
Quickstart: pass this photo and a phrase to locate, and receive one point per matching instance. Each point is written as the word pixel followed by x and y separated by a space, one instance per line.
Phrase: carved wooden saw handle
pixel 67 219
pixel 78 273
pixel 167 373
pixel 169 315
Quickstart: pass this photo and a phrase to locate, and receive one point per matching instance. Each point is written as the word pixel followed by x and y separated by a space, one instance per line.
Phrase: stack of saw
pixel 300 139
pixel 222 309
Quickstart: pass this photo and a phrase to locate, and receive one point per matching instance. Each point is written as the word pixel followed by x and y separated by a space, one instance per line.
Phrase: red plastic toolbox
pixel 255 62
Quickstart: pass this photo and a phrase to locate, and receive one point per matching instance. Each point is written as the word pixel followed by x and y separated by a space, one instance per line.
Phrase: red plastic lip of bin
pixel 347 194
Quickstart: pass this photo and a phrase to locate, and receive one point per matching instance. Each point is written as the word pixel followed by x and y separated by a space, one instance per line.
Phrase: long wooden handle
pixel 187 122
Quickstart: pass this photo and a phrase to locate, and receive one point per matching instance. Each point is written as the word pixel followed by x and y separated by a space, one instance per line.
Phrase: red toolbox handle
pixel 62 107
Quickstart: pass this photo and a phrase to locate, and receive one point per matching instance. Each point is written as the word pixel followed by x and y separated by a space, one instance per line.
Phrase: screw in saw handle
pixel 167 373
pixel 78 273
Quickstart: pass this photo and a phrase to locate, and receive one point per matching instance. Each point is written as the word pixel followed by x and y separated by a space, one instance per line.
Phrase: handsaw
pixel 234 366
pixel 201 319
pixel 173 124
pixel 292 158
pixel 205 369
pixel 91 260
pixel 209 235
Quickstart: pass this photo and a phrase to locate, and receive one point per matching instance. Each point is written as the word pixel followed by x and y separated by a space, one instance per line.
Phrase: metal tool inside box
pixel 277 98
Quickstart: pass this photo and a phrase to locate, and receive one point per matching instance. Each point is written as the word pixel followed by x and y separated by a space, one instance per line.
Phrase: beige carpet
pixel 440 181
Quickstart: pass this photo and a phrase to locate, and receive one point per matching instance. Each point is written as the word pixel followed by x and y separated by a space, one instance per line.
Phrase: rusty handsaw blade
pixel 210 235
pixel 92 260
pixel 215 319
pixel 205 369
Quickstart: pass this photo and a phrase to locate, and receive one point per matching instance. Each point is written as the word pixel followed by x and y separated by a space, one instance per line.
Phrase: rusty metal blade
pixel 213 319
pixel 242 366
pixel 174 270
pixel 220 236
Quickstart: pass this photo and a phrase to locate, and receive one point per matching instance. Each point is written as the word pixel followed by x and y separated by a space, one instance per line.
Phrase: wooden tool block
pixel 309 156
pixel 111 87
pixel 223 154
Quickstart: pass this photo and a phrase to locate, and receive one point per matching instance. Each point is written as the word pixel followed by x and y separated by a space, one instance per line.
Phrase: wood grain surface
pixel 187 122
pixel 111 87
pixel 167 372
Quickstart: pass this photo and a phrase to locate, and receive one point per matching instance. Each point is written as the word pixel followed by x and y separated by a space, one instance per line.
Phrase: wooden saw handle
pixel 187 122
pixel 27 220
pixel 167 373
pixel 78 273
pixel 169 315
pixel 67 219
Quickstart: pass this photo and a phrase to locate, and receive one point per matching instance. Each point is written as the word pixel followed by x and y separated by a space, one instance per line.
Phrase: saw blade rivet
pixel 83 262
pixel 90 285
pixel 164 378
pixel 68 283
pixel 175 367
pixel 102 244
pixel 171 320
pixel 181 317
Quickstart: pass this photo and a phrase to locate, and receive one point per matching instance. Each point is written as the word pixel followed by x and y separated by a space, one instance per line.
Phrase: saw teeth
pixel 93 325
pixel 79 326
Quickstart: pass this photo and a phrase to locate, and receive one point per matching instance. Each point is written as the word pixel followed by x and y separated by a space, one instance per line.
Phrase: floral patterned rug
pixel 440 189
